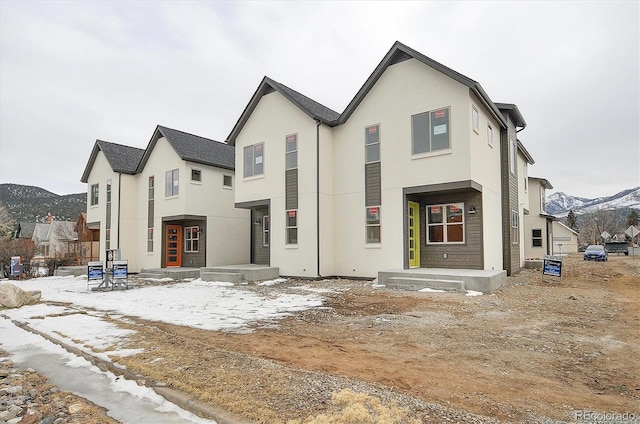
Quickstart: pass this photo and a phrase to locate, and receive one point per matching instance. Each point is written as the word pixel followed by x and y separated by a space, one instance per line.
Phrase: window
pixel 108 191
pixel 543 201
pixel 526 184
pixel 254 160
pixel 171 183
pixel 515 227
pixel 196 175
pixel 512 155
pixel 227 180
pixel 149 240
pixel 489 135
pixel 107 239
pixel 430 131
pixel 94 194
pixel 266 231
pixel 107 221
pixel 372 144
pixel 373 224
pixel 191 239
pixel 292 227
pixel 536 238
pixel 291 152
pixel 475 119
pixel 445 223
pixel 150 213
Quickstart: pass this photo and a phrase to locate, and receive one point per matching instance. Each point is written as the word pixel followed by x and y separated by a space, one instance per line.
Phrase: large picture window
pixel 445 223
pixel 372 144
pixel 430 131
pixel 291 155
pixel 191 239
pixel 172 183
pixel 254 160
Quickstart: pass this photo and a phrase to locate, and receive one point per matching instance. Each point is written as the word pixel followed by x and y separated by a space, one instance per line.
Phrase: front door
pixel 173 245
pixel 413 236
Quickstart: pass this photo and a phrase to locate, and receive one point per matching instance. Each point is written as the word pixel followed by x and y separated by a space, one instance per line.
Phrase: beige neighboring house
pixel 421 170
pixel 169 205
pixel 55 240
pixel 565 240
pixel 538 224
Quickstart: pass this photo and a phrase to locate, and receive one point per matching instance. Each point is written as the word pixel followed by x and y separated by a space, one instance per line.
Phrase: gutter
pixel 318 123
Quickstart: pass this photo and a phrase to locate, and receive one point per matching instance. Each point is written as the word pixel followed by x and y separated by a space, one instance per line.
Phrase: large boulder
pixel 12 296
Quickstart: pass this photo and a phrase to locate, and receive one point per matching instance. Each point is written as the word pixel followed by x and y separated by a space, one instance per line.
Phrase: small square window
pixel 196 175
pixel 227 180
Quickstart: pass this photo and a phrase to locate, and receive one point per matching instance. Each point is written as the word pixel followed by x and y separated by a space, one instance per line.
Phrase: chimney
pixel 49 218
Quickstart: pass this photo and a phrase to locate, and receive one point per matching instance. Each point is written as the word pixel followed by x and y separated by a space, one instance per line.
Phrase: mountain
pixel 559 204
pixel 32 204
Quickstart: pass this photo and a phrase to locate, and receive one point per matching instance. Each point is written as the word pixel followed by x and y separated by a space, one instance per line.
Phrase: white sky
pixel 74 72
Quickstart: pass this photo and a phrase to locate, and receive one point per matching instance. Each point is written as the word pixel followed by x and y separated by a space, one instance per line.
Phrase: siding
pixel 459 256
pixel 511 251
pixel 373 191
pixel 260 253
pixel 291 189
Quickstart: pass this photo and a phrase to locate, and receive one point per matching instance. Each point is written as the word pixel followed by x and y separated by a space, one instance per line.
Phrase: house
pixel 420 171
pixel 565 239
pixel 538 224
pixel 88 240
pixel 55 240
pixel 169 205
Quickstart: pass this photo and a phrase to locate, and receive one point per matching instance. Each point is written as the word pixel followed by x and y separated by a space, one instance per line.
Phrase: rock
pixel 76 407
pixel 12 296
pixel 33 297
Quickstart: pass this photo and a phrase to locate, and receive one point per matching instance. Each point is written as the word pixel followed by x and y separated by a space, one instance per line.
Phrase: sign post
pixel 552 266
pixel 632 232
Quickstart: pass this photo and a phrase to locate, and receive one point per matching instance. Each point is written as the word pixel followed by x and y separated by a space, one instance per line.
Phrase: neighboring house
pixel 419 171
pixel 55 240
pixel 169 205
pixel 538 224
pixel 88 240
pixel 565 239
pixel 24 230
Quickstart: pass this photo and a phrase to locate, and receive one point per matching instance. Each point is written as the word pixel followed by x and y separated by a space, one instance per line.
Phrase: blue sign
pixel 552 267
pixel 120 269
pixel 94 271
pixel 16 266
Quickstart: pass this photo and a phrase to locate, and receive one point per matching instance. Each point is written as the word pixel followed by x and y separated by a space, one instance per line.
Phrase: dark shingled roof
pixel 192 148
pixel 312 108
pixel 123 159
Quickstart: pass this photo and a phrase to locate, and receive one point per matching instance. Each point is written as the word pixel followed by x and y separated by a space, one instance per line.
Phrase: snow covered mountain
pixel 559 204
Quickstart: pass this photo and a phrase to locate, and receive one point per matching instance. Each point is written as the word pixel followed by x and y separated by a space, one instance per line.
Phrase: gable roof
pixel 399 53
pixel 122 159
pixel 25 229
pixel 525 153
pixel 192 148
pixel 309 106
pixel 543 182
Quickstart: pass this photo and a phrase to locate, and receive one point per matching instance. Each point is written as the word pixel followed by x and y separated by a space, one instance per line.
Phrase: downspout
pixel 318 195
pixel 119 197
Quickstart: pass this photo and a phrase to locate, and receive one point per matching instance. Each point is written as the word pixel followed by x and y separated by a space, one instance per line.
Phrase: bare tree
pixel 24 248
pixel 6 222
pixel 593 225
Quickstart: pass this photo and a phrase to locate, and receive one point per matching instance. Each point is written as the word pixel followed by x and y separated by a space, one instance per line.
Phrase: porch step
pixel 239 273
pixel 415 283
pixel 173 273
pixel 65 271
pixel 484 281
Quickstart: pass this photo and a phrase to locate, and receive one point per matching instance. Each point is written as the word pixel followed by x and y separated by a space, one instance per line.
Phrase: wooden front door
pixel 413 234
pixel 173 245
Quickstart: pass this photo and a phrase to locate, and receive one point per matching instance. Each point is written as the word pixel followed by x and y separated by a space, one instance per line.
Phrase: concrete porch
pixel 177 273
pixel 239 273
pixel 442 278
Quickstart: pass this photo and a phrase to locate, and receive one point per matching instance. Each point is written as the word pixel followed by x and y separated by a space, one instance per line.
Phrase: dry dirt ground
pixel 533 351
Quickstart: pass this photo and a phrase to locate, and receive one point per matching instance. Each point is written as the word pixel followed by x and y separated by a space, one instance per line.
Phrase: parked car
pixel 595 252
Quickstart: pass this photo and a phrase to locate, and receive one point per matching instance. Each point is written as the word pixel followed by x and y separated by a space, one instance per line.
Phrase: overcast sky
pixel 74 72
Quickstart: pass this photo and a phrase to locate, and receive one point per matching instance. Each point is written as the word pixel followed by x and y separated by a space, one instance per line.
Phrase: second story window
pixel 94 194
pixel 227 181
pixel 475 119
pixel 172 183
pixel 490 135
pixel 196 175
pixel 430 131
pixel 254 160
pixel 372 144
pixel 291 152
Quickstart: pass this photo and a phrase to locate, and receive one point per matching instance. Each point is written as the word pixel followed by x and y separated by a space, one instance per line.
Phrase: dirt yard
pixel 533 351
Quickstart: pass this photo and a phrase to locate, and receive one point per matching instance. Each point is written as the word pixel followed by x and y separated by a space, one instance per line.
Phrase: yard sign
pixel 552 266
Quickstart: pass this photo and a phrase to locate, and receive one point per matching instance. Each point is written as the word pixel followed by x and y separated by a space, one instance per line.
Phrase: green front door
pixel 413 224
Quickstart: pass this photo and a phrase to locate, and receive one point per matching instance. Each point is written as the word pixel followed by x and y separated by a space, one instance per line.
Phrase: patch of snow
pixel 430 290
pixel 473 293
pixel 272 282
